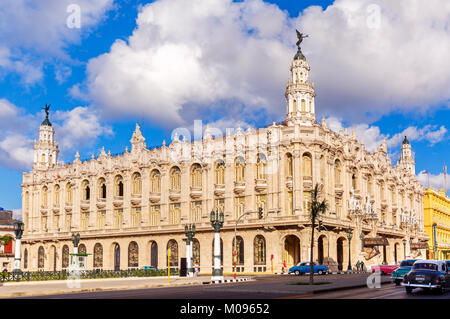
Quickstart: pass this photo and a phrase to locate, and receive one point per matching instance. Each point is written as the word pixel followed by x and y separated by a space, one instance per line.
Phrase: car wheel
pixel 408 290
pixel 297 273
pixel 440 290
pixel 397 283
pixel 320 272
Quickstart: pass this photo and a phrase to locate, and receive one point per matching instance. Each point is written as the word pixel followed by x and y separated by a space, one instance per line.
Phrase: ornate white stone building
pixel 131 207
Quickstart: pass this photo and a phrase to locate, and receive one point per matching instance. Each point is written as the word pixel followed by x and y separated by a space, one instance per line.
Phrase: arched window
pixel 240 169
pixel 98 255
pixel 69 194
pixel 133 254
pixel 173 246
pixel 239 251
pixel 156 181
pixel 355 178
pixel 86 190
pixel 261 164
pixel 41 257
pixel 118 182
pixel 45 196
pixel 25 259
pixel 220 172
pixel 337 172
pixel 195 252
pixel 259 248
pixel 196 176
pixel 303 105
pixel 174 214
pixel 65 256
pixel 307 165
pixel 56 196
pixel 102 188
pixel 196 211
pixel 82 249
pixel 137 184
pixel 289 165
pixel 175 179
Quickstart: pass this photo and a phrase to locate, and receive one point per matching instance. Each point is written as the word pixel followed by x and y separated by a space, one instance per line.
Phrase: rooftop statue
pixel 47 111
pixel 300 37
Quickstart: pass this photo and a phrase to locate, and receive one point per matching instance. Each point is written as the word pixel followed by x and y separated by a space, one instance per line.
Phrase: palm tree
pixel 317 208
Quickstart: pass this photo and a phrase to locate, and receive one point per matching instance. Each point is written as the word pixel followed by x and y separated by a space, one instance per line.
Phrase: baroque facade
pixel 130 208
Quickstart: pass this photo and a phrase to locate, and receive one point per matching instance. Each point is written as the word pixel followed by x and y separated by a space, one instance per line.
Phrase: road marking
pixel 391 294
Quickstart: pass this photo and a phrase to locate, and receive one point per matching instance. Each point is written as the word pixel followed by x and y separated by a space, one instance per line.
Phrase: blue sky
pixel 224 63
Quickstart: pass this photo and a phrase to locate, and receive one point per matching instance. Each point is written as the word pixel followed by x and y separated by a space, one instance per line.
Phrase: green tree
pixel 316 209
pixel 4 240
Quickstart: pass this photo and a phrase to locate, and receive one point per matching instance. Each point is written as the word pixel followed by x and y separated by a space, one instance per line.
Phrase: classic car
pixel 402 270
pixel 428 274
pixel 384 269
pixel 304 268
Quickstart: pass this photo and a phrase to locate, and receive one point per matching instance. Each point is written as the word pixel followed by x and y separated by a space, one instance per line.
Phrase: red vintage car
pixel 384 269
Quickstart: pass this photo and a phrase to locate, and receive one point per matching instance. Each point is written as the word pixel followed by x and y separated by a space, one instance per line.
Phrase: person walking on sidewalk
pixel 284 266
pixel 362 266
pixel 358 265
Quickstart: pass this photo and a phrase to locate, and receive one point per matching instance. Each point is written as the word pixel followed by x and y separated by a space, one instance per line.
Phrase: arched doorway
pixel 320 250
pixel 154 255
pixel 53 254
pixel 116 257
pixel 396 252
pixel 291 253
pixel 340 253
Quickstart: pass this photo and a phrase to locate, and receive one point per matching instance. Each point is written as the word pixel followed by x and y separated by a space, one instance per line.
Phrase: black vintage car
pixel 428 274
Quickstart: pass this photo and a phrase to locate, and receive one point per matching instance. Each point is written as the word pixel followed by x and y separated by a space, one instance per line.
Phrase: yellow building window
pixel 155 215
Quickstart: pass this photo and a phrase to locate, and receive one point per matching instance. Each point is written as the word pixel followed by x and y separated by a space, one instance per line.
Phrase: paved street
pixel 263 287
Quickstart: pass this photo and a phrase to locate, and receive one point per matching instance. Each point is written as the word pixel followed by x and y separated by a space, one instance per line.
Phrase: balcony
pixel 155 197
pixel 289 183
pixel 338 189
pixel 219 189
pixel 174 194
pixel 101 203
pixel 68 207
pixel 384 204
pixel 307 183
pixel 239 187
pixel 196 192
pixel 118 201
pixel 85 205
pixel 136 199
pixel 260 185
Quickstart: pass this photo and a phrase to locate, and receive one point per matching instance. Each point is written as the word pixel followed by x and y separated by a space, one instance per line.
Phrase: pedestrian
pixel 196 270
pixel 284 266
pixel 357 266
pixel 362 266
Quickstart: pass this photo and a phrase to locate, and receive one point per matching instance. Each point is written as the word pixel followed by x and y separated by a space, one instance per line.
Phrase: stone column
pixel 217 271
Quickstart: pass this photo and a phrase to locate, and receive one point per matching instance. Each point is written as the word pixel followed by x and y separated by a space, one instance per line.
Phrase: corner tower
pixel 406 159
pixel 45 149
pixel 299 91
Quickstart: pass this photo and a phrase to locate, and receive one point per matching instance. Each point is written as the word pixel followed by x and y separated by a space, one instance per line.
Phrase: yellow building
pixel 437 223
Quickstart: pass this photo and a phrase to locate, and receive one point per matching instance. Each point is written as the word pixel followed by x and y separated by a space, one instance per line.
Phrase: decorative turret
pixel 45 149
pixel 407 160
pixel 137 140
pixel 299 91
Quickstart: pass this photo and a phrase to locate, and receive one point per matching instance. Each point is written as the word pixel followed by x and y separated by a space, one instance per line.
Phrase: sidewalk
pixel 40 288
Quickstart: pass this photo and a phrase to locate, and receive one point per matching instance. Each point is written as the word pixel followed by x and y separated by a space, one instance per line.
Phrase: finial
pixel 164 142
pixel 109 153
pixel 92 157
pixel 126 149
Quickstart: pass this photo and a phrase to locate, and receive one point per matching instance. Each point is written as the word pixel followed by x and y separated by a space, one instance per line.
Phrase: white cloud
pixel 434 181
pixel 17 213
pixel 372 136
pixel 186 58
pixel 34 32
pixel 80 127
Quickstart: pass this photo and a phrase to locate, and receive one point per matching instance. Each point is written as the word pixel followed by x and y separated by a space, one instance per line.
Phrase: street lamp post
pixel 404 248
pixel 75 241
pixel 349 233
pixel 190 233
pixel 217 223
pixel 18 231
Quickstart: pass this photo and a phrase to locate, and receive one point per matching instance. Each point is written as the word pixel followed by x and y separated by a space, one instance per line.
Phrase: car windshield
pixel 425 266
pixel 407 263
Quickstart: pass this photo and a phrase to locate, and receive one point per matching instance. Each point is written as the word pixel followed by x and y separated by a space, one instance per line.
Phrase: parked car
pixel 428 274
pixel 384 269
pixel 304 268
pixel 402 270
pixel 149 268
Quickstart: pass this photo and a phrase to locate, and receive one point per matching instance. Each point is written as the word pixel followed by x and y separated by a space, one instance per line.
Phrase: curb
pixel 225 281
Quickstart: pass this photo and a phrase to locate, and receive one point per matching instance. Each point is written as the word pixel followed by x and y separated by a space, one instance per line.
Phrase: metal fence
pixel 84 274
